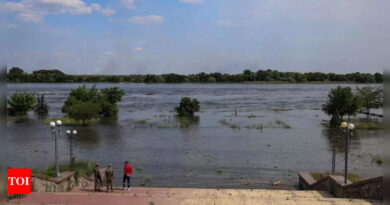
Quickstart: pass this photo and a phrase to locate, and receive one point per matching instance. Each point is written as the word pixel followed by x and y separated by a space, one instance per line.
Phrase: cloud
pixel 109 53
pixel 138 49
pixel 225 23
pixel 36 10
pixel 142 19
pixel 95 6
pixel 104 11
pixel 61 53
pixel 192 1
pixel 108 11
pixel 128 4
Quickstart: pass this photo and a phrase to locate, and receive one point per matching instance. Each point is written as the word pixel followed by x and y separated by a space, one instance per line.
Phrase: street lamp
pixel 55 129
pixel 348 127
pixel 71 136
pixel 334 141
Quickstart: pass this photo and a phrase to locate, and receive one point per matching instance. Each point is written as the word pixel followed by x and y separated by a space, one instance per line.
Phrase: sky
pixel 192 36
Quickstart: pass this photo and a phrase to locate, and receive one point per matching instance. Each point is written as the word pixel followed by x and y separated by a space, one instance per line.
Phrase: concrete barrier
pixel 366 189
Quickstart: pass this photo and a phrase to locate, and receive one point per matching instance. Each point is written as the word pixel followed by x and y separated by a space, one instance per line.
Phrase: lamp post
pixel 71 135
pixel 348 128
pixel 55 129
pixel 334 141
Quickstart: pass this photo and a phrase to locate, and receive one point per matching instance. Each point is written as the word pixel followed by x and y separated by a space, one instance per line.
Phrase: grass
pixel 362 125
pixel 82 168
pixel 70 121
pixel 15 196
pixel 148 180
pixel 138 169
pixel 378 160
pixel 143 121
pixel 261 126
pixel 252 116
pixel 368 125
pixel 230 124
pixel 351 177
pixel 281 109
pixel 12 118
pixel 282 124
pixel 257 126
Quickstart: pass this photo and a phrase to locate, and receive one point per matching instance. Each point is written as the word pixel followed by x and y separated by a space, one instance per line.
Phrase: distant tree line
pixel 16 74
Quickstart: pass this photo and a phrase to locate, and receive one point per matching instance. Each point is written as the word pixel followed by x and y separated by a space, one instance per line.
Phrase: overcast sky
pixel 191 36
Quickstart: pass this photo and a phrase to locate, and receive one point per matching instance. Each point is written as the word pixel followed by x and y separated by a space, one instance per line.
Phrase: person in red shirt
pixel 127 170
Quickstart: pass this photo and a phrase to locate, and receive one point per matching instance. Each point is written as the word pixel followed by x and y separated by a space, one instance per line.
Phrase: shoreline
pixel 222 83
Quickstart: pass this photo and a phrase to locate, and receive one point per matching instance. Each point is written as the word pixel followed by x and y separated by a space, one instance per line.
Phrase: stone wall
pixel 66 182
pixel 370 188
pixel 62 184
pixel 366 189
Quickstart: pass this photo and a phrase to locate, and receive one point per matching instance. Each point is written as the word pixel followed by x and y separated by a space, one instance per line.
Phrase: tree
pixel 110 96
pixel 341 102
pixel 104 102
pixel 187 107
pixel 370 98
pixel 21 103
pixel 83 111
pixel 17 75
pixel 41 107
pixel 81 94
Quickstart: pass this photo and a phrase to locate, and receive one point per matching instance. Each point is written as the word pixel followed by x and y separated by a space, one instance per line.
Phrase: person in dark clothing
pixel 127 170
pixel 98 178
pixel 109 177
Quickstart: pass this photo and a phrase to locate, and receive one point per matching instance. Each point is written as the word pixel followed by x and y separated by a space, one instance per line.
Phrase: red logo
pixel 18 181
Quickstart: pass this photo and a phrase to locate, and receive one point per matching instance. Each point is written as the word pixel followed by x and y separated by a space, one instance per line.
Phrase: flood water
pixel 277 132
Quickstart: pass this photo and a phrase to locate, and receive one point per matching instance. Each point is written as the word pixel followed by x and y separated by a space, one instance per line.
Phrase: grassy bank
pixel 70 121
pixel 82 168
pixel 362 125
pixel 351 177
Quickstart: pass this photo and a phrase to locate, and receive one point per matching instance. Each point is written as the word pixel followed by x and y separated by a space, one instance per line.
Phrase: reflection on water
pixel 187 152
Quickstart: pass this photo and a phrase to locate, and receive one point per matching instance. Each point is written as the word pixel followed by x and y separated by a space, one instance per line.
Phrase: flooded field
pixel 246 135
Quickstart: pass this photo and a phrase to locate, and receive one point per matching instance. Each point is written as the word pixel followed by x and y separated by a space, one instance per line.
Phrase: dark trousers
pixel 126 178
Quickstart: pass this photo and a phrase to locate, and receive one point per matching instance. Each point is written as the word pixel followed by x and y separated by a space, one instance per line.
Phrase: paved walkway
pixel 172 196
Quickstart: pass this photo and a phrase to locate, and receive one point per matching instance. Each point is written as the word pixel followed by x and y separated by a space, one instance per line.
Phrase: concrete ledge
pixel 366 189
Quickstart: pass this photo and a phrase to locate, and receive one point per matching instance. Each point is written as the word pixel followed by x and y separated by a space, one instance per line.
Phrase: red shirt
pixel 128 169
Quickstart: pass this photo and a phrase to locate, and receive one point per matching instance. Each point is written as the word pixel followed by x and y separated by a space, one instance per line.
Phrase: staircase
pixel 189 196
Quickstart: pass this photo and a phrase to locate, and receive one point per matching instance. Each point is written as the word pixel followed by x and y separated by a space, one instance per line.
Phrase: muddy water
pixel 277 132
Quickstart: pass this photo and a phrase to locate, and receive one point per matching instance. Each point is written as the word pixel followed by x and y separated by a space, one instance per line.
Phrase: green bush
pixel 21 103
pixel 187 107
pixel 85 104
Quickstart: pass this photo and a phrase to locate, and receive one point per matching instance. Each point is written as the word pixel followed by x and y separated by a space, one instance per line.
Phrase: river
pixel 277 132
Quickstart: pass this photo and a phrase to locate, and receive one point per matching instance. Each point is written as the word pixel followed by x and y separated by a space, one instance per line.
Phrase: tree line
pixel 16 75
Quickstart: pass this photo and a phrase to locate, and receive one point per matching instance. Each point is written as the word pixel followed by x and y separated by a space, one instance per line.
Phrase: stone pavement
pixel 189 196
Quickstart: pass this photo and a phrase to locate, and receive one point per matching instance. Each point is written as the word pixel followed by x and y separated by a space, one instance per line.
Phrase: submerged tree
pixel 20 104
pixel 341 102
pixel 370 98
pixel 187 107
pixel 110 96
pixel 41 107
pixel 85 104
pixel 83 111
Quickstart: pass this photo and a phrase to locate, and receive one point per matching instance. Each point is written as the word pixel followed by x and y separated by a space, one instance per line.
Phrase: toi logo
pixel 18 181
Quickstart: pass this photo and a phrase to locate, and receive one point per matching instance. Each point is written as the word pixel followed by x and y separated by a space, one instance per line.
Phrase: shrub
pixel 187 107
pixel 85 104
pixel 21 103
